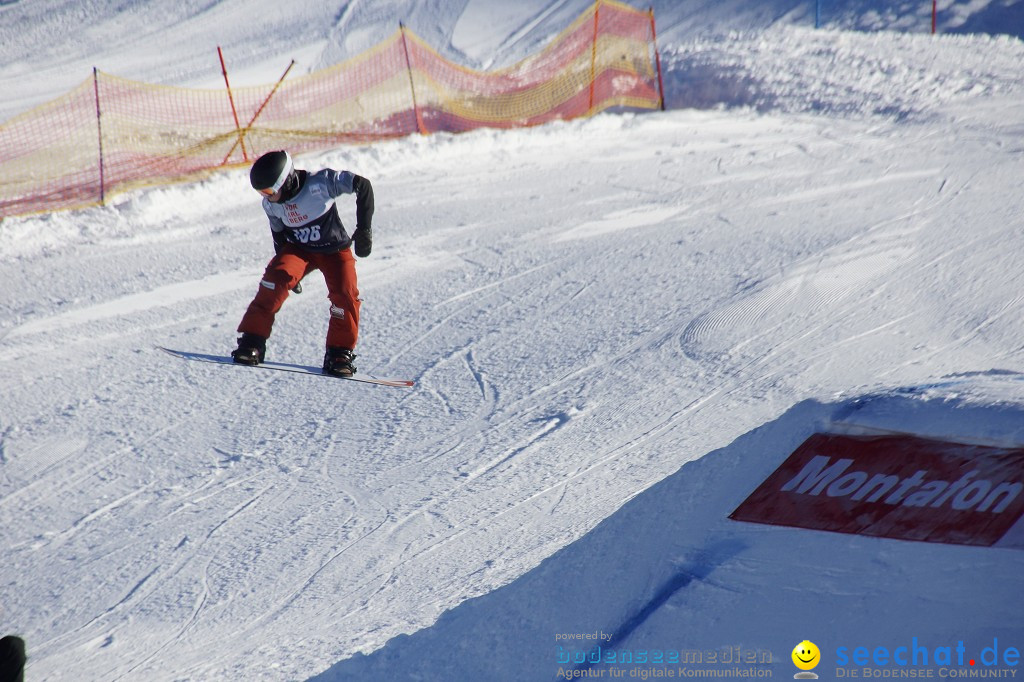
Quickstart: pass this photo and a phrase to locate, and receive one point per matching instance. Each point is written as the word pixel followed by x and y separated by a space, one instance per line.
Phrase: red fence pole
pixel 412 86
pixel 99 132
pixel 231 98
pixel 593 58
pixel 935 11
pixel 259 111
pixel 657 61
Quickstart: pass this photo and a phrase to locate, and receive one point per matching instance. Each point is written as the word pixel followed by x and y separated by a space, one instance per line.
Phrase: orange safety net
pixel 111 134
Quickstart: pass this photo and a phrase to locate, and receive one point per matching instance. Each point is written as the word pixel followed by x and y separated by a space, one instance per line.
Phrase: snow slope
pixel 613 344
pixel 50 46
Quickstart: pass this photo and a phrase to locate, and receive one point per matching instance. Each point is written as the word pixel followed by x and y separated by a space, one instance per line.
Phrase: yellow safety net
pixel 111 134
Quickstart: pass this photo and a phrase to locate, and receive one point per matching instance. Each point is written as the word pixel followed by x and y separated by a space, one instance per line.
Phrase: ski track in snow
pixel 510 435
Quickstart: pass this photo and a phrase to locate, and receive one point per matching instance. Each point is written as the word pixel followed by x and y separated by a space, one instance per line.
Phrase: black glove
pixel 363 237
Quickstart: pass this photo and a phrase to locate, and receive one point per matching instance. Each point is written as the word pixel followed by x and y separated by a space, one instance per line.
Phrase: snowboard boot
pixel 338 362
pixel 251 349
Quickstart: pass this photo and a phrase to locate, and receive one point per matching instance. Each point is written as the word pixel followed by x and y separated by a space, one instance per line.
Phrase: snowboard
pixel 284 367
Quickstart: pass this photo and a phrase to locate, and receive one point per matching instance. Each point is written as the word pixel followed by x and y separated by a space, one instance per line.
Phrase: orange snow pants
pixel 285 270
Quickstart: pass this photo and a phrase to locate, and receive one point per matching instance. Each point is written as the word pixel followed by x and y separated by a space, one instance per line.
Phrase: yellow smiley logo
pixel 806 655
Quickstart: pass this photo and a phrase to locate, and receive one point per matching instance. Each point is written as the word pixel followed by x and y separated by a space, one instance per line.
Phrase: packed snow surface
pixel 617 328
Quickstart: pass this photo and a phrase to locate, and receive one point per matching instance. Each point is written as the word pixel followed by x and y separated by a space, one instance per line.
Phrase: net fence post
pixel 593 58
pixel 248 127
pixel 231 99
pixel 99 133
pixel 412 85
pixel 657 62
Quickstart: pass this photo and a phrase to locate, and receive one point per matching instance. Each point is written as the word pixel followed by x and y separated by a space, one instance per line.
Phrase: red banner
pixel 898 486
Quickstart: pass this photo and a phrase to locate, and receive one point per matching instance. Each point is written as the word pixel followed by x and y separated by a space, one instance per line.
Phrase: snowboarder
pixel 308 235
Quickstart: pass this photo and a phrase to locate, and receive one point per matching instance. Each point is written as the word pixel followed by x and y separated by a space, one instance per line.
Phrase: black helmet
pixel 270 172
